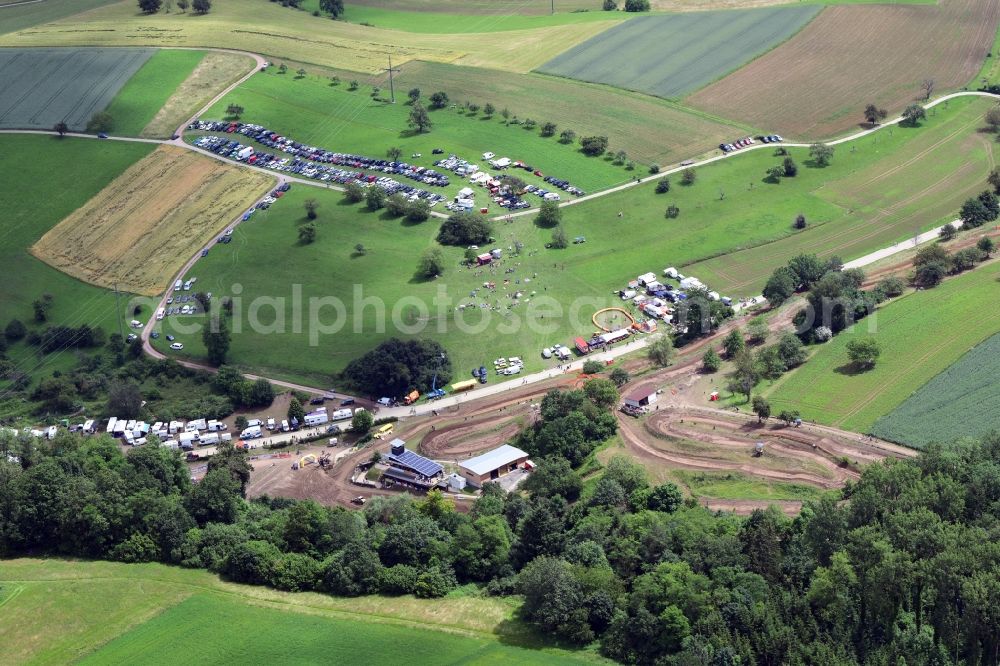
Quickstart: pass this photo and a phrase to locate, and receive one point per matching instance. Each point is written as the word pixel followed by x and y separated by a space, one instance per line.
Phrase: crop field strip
pixel 810 86
pixel 25 16
pixel 140 230
pixel 44 86
pixel 268 28
pixel 921 335
pixel 962 399
pixel 673 55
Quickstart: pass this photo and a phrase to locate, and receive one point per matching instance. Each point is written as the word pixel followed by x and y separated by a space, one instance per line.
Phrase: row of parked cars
pixel 286 145
pixel 237 151
pixel 749 141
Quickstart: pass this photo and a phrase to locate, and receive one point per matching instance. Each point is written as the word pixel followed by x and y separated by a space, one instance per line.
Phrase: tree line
pixel 901 567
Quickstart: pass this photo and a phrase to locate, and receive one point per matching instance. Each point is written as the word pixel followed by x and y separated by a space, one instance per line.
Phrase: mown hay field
pixel 214 73
pixel 139 230
pixel 42 87
pixel 962 399
pixel 817 83
pixel 142 97
pixel 920 335
pixel 26 15
pixel 266 27
pixel 675 54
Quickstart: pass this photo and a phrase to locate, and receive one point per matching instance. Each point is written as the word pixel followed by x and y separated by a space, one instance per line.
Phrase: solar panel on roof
pixel 416 462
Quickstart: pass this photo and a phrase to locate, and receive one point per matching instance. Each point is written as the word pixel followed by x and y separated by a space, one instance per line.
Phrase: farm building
pixel 492 464
pixel 643 396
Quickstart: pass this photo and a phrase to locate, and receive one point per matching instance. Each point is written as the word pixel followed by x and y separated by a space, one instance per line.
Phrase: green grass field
pixel 313 111
pixel 673 55
pixel 444 23
pixel 106 612
pixel 25 16
pixel 650 129
pixel 266 260
pixel 921 334
pixel 45 86
pixel 147 91
pixel 54 177
pixel 962 399
pixel 877 191
pixel 736 486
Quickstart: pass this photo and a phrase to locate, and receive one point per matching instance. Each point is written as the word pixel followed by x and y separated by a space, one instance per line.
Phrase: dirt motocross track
pixel 682 434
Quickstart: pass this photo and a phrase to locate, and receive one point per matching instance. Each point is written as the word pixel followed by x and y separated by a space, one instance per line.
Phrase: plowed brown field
pixel 139 230
pixel 817 84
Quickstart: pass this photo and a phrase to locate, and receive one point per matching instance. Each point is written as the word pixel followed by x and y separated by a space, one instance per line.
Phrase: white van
pixel 254 422
pixel 253 432
pixel 209 439
pixel 284 425
pixel 225 437
pixel 160 313
pixel 178 285
pixel 216 426
pixel 187 439
pixel 270 424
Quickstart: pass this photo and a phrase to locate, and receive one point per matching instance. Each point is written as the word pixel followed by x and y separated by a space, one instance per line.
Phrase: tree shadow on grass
pixel 851 369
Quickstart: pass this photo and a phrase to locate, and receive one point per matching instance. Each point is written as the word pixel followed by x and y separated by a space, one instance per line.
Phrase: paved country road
pixel 492 389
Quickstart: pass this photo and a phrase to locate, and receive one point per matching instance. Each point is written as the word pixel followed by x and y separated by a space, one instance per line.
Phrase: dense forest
pixel 905 571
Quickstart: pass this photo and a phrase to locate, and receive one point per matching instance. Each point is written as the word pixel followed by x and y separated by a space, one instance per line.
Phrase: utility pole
pixel 392 92
pixel 553 7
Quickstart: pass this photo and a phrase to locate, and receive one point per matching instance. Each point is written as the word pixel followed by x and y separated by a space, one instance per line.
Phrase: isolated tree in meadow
pixel 216 338
pixel 335 8
pixel 548 129
pixel 307 234
pixel 182 5
pixel 505 114
pixel 790 168
pixel 875 115
pixel 734 343
pixel 821 154
pixel 396 204
pixel 375 91
pixel 864 352
pixel 489 110
pixel 663 186
pixel 800 221
pixel 360 250
pixel 774 174
pixel 61 127
pixel 413 94
pixel 757 330
pixel 419 119
pixel 594 145
pixel 559 239
pixel 788 416
pixel 745 375
pixel 234 111
pixel 201 6
pixel 688 177
pixel 300 73
pixel 711 361
pixel 567 136
pixel 353 85
pixel 947 232
pixel 660 350
pixel 985 245
pixel 913 114
pixel 762 408
pixel 394 153
pixel 100 122
pixel 609 6
pixel 354 192
pixel 418 211
pixel 16 330
pixel 431 263
pixel 311 206
pixel 637 5
pixel 993 118
pixel 439 100
pixel 672 212
pixel 150 6
pixel 375 198
pixel 549 214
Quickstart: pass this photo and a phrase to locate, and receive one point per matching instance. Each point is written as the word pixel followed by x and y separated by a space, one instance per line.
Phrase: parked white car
pixel 178 346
